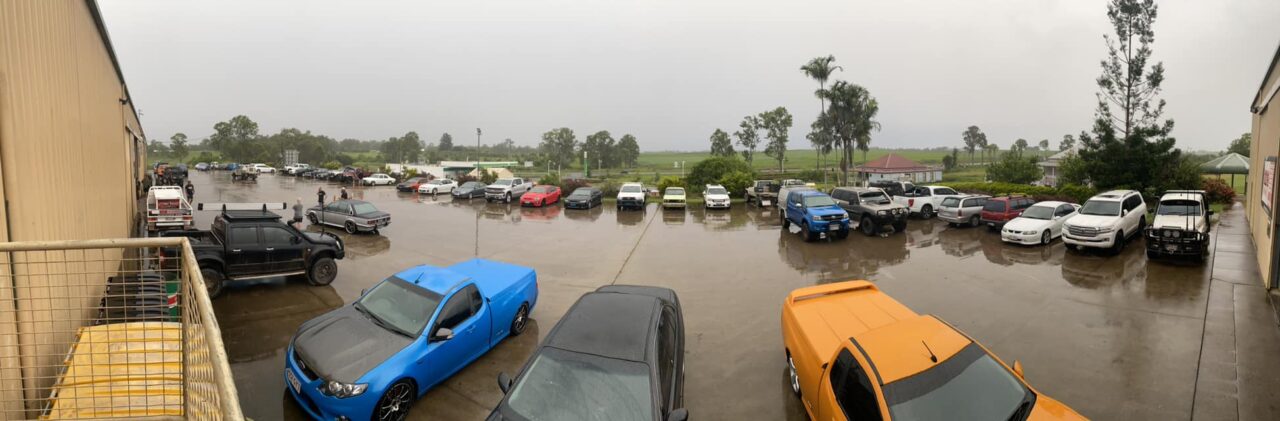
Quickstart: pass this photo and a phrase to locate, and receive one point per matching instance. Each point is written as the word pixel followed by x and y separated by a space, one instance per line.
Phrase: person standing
pixel 344 195
pixel 191 191
pixel 297 214
pixel 320 196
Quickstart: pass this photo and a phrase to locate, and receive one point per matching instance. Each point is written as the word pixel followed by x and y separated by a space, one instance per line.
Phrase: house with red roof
pixel 894 167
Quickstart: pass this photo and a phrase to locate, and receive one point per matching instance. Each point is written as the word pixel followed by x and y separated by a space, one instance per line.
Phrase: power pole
pixel 477 146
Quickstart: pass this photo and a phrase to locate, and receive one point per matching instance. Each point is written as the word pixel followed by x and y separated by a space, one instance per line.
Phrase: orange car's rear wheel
pixel 794 377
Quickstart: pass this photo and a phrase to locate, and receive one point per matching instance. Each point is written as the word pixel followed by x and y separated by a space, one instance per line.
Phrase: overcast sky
pixel 670 72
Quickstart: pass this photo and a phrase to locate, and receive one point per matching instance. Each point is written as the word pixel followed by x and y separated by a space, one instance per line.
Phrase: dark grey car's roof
pixel 609 324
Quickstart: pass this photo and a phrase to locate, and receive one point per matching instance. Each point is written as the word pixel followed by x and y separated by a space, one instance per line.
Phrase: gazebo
pixel 1232 163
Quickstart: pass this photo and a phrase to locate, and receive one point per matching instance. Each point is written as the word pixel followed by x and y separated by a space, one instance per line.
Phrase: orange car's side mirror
pixel 1017 368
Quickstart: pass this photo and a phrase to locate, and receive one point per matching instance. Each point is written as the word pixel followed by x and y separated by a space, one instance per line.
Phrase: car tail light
pixel 911 203
pixel 959 212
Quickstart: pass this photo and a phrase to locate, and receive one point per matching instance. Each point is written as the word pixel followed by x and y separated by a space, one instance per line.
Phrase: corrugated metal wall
pixel 1266 143
pixel 68 167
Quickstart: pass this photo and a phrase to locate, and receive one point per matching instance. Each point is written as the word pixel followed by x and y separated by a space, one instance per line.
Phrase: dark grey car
pixel 468 190
pixel 351 215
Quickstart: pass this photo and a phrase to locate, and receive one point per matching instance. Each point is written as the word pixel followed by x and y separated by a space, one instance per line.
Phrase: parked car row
pixel 1108 220
pixel 851 352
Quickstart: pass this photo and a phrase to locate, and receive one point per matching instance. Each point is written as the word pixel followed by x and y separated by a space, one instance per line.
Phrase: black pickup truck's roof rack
pixel 245 211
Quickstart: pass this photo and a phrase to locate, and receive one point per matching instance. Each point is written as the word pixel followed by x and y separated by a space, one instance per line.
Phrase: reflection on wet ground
pixel 1108 335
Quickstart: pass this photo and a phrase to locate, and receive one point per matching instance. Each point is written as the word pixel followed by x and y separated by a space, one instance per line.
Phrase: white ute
pixel 925 200
pixel 1107 221
pixel 167 208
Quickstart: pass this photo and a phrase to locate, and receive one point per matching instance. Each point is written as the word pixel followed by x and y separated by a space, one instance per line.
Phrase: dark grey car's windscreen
pixel 563 385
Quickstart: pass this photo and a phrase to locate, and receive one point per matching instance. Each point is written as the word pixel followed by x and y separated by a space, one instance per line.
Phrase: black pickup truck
pixel 256 244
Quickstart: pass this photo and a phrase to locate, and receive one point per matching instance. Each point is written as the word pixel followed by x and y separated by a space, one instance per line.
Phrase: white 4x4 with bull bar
pixel 1181 226
pixel 1107 221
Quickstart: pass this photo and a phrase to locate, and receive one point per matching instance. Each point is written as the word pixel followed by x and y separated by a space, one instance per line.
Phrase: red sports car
pixel 540 196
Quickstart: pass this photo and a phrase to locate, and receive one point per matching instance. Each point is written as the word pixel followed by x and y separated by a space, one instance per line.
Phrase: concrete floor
pixel 1114 337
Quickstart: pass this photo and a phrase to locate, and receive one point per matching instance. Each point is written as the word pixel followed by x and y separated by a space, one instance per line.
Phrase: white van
pixel 168 208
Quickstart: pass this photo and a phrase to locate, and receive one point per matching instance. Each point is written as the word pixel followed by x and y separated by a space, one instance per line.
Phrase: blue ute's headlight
pixel 342 390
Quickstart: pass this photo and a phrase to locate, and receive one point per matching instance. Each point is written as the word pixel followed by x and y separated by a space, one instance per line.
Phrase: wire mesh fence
pixel 109 329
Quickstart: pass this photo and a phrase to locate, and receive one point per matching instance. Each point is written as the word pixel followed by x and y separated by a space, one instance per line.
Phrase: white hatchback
pixel 437 186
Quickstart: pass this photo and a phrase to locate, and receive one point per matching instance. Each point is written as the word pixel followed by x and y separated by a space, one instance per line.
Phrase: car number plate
pixel 293 381
pixel 766 202
pixel 1171 247
pixel 833 227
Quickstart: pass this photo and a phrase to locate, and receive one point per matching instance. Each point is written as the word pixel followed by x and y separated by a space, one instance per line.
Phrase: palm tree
pixel 820 69
pixel 850 119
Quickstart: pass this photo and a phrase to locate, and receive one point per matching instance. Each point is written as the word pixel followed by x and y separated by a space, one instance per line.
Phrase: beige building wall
pixel 69 165
pixel 1266 143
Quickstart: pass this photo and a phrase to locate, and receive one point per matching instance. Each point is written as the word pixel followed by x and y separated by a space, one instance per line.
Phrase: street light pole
pixel 477 146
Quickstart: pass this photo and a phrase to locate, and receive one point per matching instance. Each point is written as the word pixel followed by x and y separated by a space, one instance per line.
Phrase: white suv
pixel 1107 221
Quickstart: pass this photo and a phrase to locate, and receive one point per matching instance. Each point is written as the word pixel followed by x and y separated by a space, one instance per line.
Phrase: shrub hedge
pixel 1068 193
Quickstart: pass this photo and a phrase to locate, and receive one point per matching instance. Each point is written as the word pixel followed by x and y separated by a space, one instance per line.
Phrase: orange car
pixel 855 353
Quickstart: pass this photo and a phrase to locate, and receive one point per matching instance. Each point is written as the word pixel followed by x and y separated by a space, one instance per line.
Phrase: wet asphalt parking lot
pixel 1114 337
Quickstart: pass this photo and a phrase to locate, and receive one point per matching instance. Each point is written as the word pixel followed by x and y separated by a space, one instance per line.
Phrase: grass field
pixel 797 160
pixel 965 174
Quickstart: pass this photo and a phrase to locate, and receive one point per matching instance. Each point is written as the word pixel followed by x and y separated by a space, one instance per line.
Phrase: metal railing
pixel 109 329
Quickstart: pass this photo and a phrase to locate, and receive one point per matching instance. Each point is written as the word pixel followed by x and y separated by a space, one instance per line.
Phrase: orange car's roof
pixel 888 331
pixel 832 313
pixel 899 349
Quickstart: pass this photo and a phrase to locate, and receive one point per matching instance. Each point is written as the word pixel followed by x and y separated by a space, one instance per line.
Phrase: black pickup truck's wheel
pixel 520 321
pixel 322 272
pixel 867 227
pixel 212 282
pixel 350 227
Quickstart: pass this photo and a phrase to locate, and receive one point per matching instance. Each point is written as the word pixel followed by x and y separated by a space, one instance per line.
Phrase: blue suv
pixel 815 213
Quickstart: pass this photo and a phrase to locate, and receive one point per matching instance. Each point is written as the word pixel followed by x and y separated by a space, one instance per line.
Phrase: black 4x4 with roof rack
pixel 253 244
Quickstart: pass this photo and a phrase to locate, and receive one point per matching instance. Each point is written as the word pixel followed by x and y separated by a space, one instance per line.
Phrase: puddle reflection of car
pixel 499 211
pixel 1006 254
pixel 358 246
pixel 921 234
pixel 1097 270
pixel 585 214
pixel 674 216
pixel 717 219
pixel 764 218
pixel 962 243
pixel 864 259
pixel 544 213
pixel 630 218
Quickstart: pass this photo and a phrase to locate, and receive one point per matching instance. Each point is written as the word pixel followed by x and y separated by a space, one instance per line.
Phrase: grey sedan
pixel 352 215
